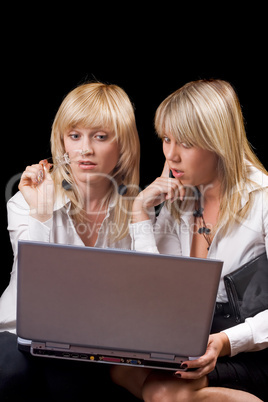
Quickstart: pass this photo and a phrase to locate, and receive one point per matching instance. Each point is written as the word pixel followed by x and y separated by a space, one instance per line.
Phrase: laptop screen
pixel 122 301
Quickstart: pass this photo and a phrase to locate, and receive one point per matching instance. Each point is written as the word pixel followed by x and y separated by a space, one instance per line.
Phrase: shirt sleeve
pixel 160 236
pixel 252 335
pixel 142 236
pixel 22 226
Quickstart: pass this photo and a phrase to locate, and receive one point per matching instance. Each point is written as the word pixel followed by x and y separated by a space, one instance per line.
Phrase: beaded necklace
pixel 198 214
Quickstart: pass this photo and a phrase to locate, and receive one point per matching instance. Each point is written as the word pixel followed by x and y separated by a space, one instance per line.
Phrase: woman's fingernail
pixel 178 375
pixel 184 366
pixel 40 176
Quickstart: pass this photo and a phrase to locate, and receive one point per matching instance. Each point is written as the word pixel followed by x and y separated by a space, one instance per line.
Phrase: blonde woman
pixel 84 197
pixel 216 206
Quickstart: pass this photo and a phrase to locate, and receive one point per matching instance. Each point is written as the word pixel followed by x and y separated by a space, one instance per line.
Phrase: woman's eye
pixel 166 140
pixel 186 145
pixel 101 137
pixel 74 136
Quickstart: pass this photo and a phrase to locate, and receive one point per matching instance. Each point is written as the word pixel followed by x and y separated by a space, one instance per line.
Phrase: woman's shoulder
pixel 255 188
pixel 17 200
pixel 257 178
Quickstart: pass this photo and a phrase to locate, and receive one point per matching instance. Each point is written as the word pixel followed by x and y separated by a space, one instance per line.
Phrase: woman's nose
pixel 87 148
pixel 173 152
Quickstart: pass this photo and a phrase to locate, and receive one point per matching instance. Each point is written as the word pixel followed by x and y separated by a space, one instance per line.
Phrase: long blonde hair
pixel 97 105
pixel 207 114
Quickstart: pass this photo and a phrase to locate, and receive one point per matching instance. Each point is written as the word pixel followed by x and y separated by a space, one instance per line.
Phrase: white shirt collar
pixel 63 201
pixel 257 179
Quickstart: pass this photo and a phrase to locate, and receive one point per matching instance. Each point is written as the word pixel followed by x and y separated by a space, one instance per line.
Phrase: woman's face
pixel 94 153
pixel 193 166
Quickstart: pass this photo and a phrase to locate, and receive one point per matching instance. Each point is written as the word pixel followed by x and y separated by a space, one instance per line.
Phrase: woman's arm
pixel 160 236
pixel 162 189
pixel 30 210
pixel 252 335
pixel 37 188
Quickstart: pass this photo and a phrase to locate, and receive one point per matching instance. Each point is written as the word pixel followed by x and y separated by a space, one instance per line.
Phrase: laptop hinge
pixel 57 345
pixel 163 356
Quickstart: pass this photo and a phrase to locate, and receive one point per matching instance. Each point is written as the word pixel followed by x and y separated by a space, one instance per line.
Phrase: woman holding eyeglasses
pixel 81 196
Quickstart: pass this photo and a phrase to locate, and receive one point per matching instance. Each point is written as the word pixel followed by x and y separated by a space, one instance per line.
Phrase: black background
pixel 33 90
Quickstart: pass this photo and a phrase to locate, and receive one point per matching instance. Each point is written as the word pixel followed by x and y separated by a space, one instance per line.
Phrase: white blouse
pixel 248 239
pixel 59 229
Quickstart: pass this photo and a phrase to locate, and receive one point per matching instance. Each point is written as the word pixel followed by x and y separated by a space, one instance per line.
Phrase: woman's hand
pixel 37 187
pixel 162 189
pixel 218 345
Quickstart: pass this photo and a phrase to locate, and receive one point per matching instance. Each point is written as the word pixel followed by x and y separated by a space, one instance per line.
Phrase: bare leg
pixel 161 387
pixel 130 378
pixel 225 395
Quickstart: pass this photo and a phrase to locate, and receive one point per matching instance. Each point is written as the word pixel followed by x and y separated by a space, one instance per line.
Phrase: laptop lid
pixel 114 306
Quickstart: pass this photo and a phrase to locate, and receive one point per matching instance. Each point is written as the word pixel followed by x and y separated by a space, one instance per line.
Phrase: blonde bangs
pixel 87 108
pixel 179 117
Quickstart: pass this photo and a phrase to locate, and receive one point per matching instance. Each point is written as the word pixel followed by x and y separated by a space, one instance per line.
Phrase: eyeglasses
pixel 63 160
pixel 53 164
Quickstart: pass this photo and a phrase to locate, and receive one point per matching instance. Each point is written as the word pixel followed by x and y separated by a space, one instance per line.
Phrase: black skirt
pixel 245 371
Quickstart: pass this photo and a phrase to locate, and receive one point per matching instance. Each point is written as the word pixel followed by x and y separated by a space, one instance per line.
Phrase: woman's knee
pixel 120 374
pixel 167 388
pixel 130 378
pixel 156 392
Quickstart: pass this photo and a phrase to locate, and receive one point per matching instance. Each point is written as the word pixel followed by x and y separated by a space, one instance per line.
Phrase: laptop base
pixel 41 349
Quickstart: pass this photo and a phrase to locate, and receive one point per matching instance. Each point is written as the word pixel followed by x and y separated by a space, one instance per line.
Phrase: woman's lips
pixel 86 165
pixel 177 173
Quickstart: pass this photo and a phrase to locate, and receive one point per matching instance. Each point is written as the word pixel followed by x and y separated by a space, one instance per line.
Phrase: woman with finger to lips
pixel 214 196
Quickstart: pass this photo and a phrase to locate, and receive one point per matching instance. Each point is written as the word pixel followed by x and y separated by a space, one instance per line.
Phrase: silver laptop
pixel 114 306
